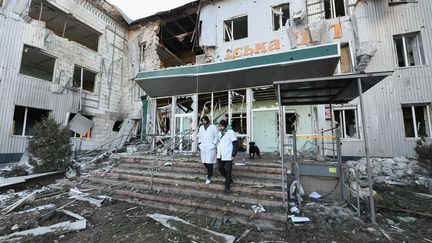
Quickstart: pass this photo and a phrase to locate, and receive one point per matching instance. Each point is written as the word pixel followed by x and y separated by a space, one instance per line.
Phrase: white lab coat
pixel 208 139
pixel 225 146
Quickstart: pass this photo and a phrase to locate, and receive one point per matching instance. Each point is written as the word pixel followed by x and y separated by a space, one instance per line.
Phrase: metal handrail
pixel 172 143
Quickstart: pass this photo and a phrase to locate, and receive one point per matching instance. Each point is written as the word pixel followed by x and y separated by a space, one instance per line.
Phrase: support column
pixel 229 107
pixel 366 146
pixel 195 123
pixel 281 145
pixel 249 104
pixel 173 116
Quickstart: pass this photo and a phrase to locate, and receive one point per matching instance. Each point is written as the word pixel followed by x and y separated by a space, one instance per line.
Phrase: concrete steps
pixel 181 188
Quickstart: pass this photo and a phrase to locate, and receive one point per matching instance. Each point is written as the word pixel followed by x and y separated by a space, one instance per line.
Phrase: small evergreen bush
pixel 49 148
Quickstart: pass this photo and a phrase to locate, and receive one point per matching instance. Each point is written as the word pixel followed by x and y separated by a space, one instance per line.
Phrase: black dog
pixel 253 149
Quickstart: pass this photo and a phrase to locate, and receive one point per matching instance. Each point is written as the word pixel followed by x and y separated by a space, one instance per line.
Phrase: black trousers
pixel 225 168
pixel 209 168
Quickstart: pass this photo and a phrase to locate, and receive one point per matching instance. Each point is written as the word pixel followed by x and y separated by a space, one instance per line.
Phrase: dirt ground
pixel 119 221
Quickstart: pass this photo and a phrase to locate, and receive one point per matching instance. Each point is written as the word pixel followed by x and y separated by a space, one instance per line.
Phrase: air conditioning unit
pixel 395 2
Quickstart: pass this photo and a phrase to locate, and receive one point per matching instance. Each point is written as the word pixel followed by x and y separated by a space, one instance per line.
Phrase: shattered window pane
pixel 280 16
pixel 409 48
pixel 347 120
pixel 421 118
pixel 290 120
pixel 25 119
pixel 416 121
pixel 235 29
pixel 89 78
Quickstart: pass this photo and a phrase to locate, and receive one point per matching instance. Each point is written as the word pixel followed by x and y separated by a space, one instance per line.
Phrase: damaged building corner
pixel 328 101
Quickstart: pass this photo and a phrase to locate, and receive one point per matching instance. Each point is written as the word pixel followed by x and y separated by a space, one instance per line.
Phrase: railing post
pixel 339 156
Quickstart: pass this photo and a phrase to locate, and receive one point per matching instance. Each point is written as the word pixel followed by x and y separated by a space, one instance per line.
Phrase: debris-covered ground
pixel 59 213
pixel 117 221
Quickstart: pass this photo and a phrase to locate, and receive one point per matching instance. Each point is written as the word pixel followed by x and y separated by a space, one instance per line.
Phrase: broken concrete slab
pixel 192 231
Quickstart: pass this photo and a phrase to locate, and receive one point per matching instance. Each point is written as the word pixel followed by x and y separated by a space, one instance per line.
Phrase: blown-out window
pixel 85 77
pixel 25 118
pixel 35 63
pixel 409 49
pixel 417 120
pixel 236 28
pixel 347 119
pixel 280 16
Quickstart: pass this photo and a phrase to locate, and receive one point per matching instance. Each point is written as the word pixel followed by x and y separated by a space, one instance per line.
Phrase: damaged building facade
pixel 237 36
pixel 62 57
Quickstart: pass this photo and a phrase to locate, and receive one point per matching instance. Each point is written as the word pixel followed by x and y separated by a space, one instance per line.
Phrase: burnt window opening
pixel 235 29
pixel 334 8
pixel 417 121
pixel 290 122
pixel 117 126
pixel 77 135
pixel 25 118
pixel 88 78
pixel 409 49
pixel 281 15
pixel 63 24
pixel 37 64
pixel 178 41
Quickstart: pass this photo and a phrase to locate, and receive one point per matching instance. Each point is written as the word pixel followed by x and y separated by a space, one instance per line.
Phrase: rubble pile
pixel 329 216
pixel 395 171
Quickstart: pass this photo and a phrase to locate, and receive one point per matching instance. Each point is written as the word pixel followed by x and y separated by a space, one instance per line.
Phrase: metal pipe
pixel 281 146
pixel 366 145
pixel 339 155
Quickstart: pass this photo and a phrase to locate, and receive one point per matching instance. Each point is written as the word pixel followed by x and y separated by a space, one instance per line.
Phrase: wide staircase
pixel 178 185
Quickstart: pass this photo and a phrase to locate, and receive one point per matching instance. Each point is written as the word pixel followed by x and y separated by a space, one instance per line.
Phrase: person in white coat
pixel 226 151
pixel 208 137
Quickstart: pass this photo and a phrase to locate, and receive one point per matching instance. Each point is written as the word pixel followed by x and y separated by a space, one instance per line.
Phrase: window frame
pixel 35 49
pixel 357 114
pixel 420 49
pixel 225 30
pixel 25 120
pixel 274 8
pixel 81 76
pixel 428 114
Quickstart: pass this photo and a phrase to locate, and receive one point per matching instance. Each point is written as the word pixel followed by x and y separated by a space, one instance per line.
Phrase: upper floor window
pixel 334 8
pixel 280 16
pixel 37 64
pixel 347 119
pixel 64 24
pixel 417 120
pixel 236 28
pixel 409 48
pixel 85 77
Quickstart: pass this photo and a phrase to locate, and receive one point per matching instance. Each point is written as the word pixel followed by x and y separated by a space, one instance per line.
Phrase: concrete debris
pixel 76 194
pixel 190 230
pixel 395 171
pixel 328 215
